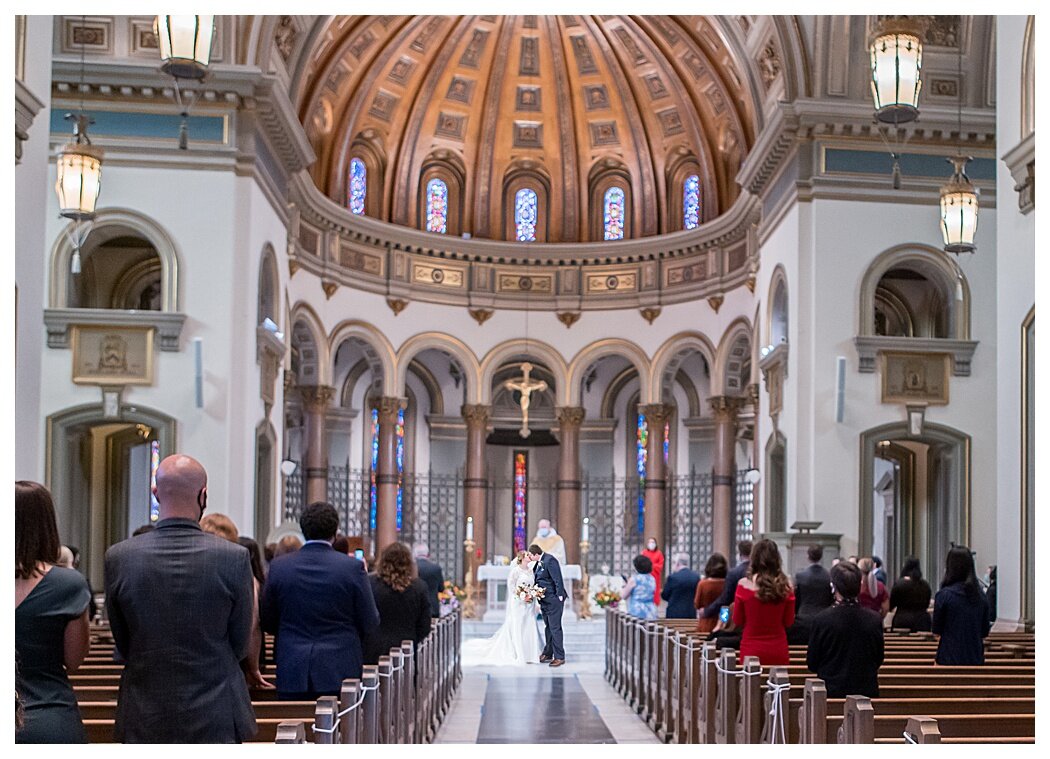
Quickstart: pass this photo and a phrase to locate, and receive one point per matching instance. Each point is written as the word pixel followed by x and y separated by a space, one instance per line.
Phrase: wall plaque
pixel 112 355
pixel 915 377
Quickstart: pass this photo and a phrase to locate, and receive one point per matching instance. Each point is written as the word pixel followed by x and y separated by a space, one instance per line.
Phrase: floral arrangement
pixel 451 595
pixel 529 593
pixel 606 597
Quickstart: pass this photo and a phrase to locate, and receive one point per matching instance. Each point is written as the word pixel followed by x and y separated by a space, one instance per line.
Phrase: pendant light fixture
pixel 959 203
pixel 79 177
pixel 895 48
pixel 185 53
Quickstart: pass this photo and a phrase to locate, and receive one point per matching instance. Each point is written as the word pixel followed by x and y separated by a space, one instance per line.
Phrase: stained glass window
pixel 521 498
pixel 667 442
pixel 437 206
pixel 691 202
pixel 375 467
pixel 615 200
pixel 642 455
pixel 400 463
pixel 358 186
pixel 525 214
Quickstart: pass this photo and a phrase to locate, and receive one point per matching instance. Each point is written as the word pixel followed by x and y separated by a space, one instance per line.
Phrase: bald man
pixel 180 606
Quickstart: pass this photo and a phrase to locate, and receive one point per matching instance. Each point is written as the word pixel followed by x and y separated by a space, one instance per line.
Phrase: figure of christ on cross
pixel 526 387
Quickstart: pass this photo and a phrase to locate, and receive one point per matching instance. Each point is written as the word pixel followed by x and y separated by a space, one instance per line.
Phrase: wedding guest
pixel 287 544
pixel 910 599
pixel 401 598
pixel 143 530
pixel 709 589
pixel 220 525
pixel 342 545
pixel 846 645
pixel 991 594
pixel 960 612
pixel 639 590
pixel 764 606
pixel 268 552
pixel 812 595
pixel 873 593
pixel 51 623
pixel 180 608
pixel 319 604
pixel 680 590
pixel 733 576
pixel 880 571
pixel 258 641
pixel 656 556
pixel 430 572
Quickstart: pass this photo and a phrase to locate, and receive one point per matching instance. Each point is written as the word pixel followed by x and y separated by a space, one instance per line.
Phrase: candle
pixel 586 528
pixel 470 528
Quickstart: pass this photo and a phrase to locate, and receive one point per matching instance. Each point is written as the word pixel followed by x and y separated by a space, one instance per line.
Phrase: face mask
pixel 652 546
pixel 544 532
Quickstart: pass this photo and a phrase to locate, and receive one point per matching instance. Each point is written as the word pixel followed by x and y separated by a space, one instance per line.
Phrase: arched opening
pixel 269 288
pixel 778 314
pixel 910 304
pixel 776 483
pixel 100 470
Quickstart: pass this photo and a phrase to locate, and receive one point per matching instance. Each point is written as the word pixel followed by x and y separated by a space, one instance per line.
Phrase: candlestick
pixel 470 528
pixel 586 529
pixel 585 581
pixel 468 602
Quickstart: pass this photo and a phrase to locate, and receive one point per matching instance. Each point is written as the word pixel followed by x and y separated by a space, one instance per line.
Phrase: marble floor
pixel 535 704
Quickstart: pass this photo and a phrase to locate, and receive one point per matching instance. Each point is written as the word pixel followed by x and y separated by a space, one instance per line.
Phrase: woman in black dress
pixel 51 622
pixel 401 598
pixel 910 599
pixel 960 612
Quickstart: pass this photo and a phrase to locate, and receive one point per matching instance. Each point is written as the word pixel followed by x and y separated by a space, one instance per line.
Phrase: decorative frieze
pixel 870 346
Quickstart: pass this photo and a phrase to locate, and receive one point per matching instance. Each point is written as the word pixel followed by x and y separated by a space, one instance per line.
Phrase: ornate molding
pixel 726 407
pixel 870 346
pixel 397 305
pixel 168 324
pixel 476 414
pixel 269 354
pixel 650 314
pixel 1020 160
pixel 316 397
pixel 657 414
pixel 568 318
pixel 480 315
pixel 571 416
pixel 27 106
pixel 388 406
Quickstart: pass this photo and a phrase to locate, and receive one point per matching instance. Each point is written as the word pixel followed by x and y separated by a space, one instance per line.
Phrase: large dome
pixel 565 106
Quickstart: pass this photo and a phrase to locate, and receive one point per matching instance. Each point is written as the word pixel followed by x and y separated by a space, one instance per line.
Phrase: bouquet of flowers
pixel 529 593
pixel 606 597
pixel 450 597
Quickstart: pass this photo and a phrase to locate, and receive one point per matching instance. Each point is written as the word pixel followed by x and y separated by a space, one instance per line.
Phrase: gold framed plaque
pixel 915 377
pixel 112 355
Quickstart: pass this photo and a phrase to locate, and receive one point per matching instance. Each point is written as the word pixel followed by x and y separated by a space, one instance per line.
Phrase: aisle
pixel 535 704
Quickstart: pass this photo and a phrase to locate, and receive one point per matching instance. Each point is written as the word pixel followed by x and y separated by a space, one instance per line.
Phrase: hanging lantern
pixel 959 209
pixel 79 174
pixel 185 45
pixel 896 69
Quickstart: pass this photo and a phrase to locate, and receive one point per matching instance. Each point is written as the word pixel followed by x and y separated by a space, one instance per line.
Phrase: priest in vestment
pixel 550 541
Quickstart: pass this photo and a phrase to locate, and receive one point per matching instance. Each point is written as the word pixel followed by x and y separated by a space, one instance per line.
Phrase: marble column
pixel 725 408
pixel 386 474
pixel 656 416
pixel 475 484
pixel 568 523
pixel 315 458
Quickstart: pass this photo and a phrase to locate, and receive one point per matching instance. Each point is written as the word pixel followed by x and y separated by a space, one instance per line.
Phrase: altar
pixel 495 575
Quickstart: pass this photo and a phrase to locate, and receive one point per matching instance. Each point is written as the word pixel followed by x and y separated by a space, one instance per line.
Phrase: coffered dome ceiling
pixel 567 105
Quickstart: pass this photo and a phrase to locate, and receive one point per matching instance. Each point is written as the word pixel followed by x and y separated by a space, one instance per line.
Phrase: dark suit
pixel 846 650
pixel 180 607
pixel 319 604
pixel 812 591
pixel 679 592
pixel 431 574
pixel 548 576
pixel 734 576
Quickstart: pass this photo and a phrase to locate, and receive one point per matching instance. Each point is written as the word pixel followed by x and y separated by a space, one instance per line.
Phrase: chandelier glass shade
pixel 185 45
pixel 79 175
pixel 959 206
pixel 896 69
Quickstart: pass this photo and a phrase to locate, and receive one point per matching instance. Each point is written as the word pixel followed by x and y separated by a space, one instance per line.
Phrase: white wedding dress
pixel 518 640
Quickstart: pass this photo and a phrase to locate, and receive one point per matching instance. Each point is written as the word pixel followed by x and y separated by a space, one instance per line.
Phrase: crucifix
pixel 526 387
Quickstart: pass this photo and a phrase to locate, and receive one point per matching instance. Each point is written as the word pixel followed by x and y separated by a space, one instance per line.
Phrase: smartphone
pixel 723 615
pixel 359 554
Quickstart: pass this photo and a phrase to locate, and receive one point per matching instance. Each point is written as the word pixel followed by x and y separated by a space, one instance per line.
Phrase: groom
pixel 548 576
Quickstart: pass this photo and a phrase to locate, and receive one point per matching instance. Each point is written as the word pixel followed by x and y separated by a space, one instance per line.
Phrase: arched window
pixel 525 214
pixel 357 186
pixel 691 202
pixel 614 205
pixel 437 206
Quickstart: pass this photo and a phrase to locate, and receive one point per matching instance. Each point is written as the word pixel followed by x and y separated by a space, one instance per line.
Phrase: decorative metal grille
pixel 611 505
pixel 691 505
pixel 743 508
pixel 294 494
pixel 434 514
pixel 349 490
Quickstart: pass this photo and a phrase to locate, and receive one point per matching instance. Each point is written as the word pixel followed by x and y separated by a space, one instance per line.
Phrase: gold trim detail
pixel 125 355
pixel 568 318
pixel 715 302
pixel 650 314
pixel 397 305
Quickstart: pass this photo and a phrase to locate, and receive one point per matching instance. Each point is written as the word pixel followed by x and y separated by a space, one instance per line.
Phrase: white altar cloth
pixel 496 592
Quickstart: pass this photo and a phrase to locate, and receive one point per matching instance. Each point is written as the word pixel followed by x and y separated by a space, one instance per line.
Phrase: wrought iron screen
pixel 294 494
pixel 743 508
pixel 611 504
pixel 433 513
pixel 689 497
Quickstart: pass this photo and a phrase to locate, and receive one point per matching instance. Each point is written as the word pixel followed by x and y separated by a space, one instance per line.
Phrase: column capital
pixel 752 394
pixel 476 413
pixel 316 397
pixel 388 406
pixel 726 406
pixel 657 414
pixel 571 416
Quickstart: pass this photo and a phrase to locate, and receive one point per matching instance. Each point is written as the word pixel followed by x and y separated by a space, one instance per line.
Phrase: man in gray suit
pixel 180 606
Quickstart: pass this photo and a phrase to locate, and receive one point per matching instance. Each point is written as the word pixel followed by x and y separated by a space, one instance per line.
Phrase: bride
pixel 517 641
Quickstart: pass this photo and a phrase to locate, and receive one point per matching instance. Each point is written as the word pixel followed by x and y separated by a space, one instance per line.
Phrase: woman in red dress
pixel 653 553
pixel 764 606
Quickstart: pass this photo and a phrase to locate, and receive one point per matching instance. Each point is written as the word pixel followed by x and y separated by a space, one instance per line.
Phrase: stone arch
pixel 304 324
pixel 109 223
pixel 269 300
pixel 670 354
pixel 583 360
pixel 547 354
pixel 448 344
pixel 777 308
pixel 378 350
pixel 932 263
pixel 730 376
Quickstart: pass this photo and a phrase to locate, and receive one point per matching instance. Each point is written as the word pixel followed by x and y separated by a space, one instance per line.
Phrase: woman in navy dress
pixel 51 623
pixel 960 612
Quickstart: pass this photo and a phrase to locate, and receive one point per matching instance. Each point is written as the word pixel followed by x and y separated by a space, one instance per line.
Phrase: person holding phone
pixel 709 589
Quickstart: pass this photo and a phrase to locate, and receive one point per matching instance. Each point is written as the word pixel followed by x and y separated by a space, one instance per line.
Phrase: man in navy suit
pixel 319 603
pixel 548 576
pixel 680 590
